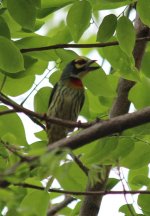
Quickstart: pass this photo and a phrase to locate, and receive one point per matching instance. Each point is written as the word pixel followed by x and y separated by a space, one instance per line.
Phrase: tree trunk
pixel 91 204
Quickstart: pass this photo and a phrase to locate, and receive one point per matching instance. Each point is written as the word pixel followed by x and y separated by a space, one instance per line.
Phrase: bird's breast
pixel 67 102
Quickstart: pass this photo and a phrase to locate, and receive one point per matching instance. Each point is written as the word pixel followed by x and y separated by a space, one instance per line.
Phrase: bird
pixel 67 96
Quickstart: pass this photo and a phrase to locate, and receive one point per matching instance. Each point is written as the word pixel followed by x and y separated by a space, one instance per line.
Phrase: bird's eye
pixel 80 61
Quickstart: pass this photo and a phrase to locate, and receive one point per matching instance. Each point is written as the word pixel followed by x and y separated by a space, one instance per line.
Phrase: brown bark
pixel 113 126
pixel 120 107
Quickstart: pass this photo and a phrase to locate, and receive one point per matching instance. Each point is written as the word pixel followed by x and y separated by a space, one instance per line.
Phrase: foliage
pixel 28 24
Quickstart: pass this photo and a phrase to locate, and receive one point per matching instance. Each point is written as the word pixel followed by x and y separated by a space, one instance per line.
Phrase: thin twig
pixel 79 163
pixel 129 207
pixel 15 151
pixel 60 206
pixel 13 104
pixel 5 112
pixel 44 117
pixel 25 185
pixel 93 45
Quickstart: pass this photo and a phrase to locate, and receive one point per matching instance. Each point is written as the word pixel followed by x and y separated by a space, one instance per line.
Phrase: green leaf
pixel 97 83
pixel 78 18
pixel 143 202
pixel 41 135
pixel 41 99
pixel 94 105
pixel 28 64
pixel 137 158
pixel 35 203
pixel 11 59
pixel 107 28
pixel 124 147
pixel 76 210
pixel 126 35
pixel 109 4
pixel 139 94
pixel 3 151
pixel 23 12
pixel 38 41
pixel 15 29
pixel 37 3
pixel 62 30
pixel 140 181
pixel 22 171
pixel 65 56
pixel 138 132
pixel 124 64
pixel 143 8
pixel 115 1
pixel 50 163
pixel 71 177
pixel 111 183
pixel 22 84
pixel 146 64
pixel 126 209
pixel 36 67
pixel 102 151
pixel 33 41
pixel 37 148
pixel 12 124
pixel 55 76
pixel 47 56
pixel 134 185
pixel 56 3
pixel 5 195
pixel 4 28
pixel 48 7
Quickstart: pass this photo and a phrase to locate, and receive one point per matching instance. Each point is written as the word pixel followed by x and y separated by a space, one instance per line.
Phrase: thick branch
pixel 122 104
pixel 93 45
pixel 103 129
pixel 100 130
pixel 120 107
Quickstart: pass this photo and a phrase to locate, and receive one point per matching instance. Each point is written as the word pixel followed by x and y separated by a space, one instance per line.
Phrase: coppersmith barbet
pixel 67 96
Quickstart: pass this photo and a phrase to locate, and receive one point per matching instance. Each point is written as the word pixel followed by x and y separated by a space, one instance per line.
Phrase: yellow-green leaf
pixel 78 18
pixel 11 60
pixel 143 9
pixel 107 28
pixel 126 35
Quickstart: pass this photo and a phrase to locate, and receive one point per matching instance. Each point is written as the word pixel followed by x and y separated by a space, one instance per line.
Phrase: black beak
pixel 91 68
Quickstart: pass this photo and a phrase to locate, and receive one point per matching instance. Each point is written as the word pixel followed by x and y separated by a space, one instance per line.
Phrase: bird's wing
pixel 81 105
pixel 52 93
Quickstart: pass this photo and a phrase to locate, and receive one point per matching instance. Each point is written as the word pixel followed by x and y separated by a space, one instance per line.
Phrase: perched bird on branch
pixel 67 96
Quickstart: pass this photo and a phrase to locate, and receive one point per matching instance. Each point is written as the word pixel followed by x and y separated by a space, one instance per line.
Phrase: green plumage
pixel 65 103
pixel 67 97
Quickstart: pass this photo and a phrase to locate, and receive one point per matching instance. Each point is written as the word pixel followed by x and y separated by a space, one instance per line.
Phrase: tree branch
pixel 60 206
pixel 13 149
pixel 93 45
pixel 79 193
pixel 5 112
pixel 43 117
pixel 103 129
pixel 79 163
pixel 121 106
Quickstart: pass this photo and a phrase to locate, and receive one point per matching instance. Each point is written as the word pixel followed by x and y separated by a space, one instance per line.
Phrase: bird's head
pixel 78 68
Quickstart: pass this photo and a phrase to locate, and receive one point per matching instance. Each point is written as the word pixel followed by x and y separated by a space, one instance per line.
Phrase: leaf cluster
pixel 23 25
